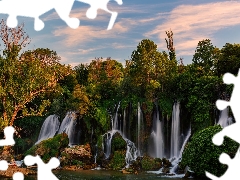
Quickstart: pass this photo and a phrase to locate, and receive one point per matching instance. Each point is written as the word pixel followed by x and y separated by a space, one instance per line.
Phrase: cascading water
pixel 175 133
pixel 68 126
pixel 156 149
pixel 124 124
pixel 49 128
pixel 139 129
pixel 131 152
pixel 224 119
pixel 178 159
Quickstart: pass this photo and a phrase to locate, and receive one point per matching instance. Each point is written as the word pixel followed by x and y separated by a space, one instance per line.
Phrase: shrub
pixel 118 160
pixel 149 164
pixel 118 143
pixel 202 155
pixel 49 148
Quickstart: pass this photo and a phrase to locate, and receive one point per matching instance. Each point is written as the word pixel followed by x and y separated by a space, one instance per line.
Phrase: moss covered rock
pixel 49 148
pixel 118 143
pixel 151 164
pixel 117 161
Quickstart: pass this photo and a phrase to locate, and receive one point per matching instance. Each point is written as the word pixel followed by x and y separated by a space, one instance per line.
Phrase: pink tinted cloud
pixel 84 34
pixel 192 23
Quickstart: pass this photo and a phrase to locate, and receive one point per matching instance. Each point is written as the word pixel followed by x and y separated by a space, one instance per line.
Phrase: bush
pixel 118 143
pixel 118 160
pixel 150 164
pixel 49 148
pixel 202 155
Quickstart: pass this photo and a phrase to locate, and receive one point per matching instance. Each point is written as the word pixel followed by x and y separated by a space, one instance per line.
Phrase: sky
pixel 190 21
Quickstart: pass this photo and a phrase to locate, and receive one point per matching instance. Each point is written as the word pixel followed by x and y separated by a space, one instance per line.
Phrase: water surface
pixel 106 175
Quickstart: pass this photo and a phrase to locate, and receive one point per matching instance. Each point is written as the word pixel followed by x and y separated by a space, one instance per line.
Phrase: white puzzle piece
pixel 36 8
pixel 231 131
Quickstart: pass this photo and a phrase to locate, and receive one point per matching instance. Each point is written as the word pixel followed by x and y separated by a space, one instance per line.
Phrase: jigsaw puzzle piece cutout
pixel 229 78
pixel 37 8
pixel 18 176
pixel 233 167
pixel 3 165
pixel 63 9
pixel 101 4
pixel 44 170
pixel 230 131
pixel 8 133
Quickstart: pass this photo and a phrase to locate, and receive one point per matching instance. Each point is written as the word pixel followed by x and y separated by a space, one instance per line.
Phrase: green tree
pixel 229 59
pixel 82 74
pixel 25 76
pixel 148 71
pixel 205 55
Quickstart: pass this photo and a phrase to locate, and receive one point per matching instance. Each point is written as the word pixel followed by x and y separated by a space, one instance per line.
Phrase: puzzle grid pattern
pixel 44 171
pixel 36 8
pixel 232 131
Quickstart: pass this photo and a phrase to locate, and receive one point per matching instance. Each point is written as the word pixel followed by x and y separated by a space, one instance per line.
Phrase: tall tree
pixel 170 46
pixel 205 56
pixel 228 60
pixel 25 76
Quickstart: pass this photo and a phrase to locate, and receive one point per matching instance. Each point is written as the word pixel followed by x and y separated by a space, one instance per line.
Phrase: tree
pixel 149 69
pixel 82 74
pixel 170 46
pixel 229 59
pixel 25 76
pixel 205 55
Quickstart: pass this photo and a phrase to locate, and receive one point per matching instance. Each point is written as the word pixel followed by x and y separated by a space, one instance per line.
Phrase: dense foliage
pixel 34 84
pixel 202 155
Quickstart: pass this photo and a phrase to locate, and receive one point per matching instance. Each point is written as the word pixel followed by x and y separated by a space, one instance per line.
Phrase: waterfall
pixel 156 149
pixel 138 131
pixel 184 143
pixel 178 159
pixel 115 119
pixel 107 141
pixel 68 126
pixel 124 124
pixel 131 153
pixel 49 128
pixel 175 133
pixel 224 119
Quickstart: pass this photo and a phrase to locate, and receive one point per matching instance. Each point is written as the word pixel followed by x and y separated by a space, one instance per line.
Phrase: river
pixel 106 175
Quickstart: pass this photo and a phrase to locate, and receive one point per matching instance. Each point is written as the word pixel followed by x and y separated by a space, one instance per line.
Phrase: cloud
pixel 192 23
pixel 84 34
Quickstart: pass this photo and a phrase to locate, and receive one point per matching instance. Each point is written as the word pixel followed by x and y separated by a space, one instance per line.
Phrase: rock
pixel 124 171
pixel 12 169
pixel 166 163
pixel 7 153
pixel 49 148
pixel 118 143
pixel 151 164
pixel 188 173
pixel 166 170
pixel 79 156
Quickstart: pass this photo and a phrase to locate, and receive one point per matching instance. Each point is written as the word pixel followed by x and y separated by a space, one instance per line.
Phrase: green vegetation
pixel 118 143
pixel 34 84
pixel 49 148
pixel 151 164
pixel 202 155
pixel 118 161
